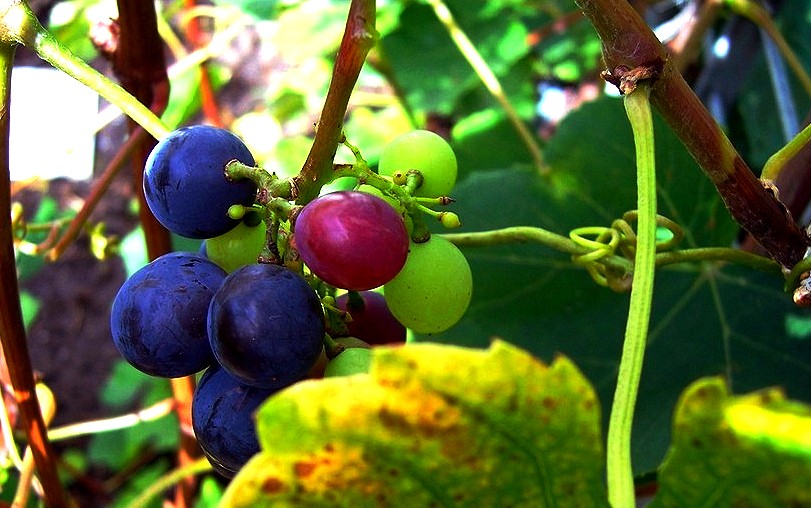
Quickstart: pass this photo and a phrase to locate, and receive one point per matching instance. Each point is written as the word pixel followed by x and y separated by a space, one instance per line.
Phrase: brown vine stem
pixel 96 193
pixel 628 43
pixel 12 331
pixel 359 37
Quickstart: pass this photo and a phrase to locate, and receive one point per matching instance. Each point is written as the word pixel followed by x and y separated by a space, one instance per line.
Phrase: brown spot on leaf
pixel 272 486
pixel 549 403
pixel 303 469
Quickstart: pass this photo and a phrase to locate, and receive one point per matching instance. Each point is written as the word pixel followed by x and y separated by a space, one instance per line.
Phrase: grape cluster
pixel 342 270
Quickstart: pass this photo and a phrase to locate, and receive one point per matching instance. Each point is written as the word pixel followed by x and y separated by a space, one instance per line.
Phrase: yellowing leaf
pixel 431 425
pixel 728 451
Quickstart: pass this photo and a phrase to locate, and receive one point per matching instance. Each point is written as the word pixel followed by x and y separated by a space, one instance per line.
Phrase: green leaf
pixel 429 67
pixel 259 9
pixel 485 140
pixel 71 22
pixel 311 28
pixel 751 450
pixel 47 210
pixel 146 476
pixel 133 249
pixel 431 425
pixel 373 128
pixel 709 318
pixel 210 493
pixel 30 305
pixel 185 98
pixel 125 388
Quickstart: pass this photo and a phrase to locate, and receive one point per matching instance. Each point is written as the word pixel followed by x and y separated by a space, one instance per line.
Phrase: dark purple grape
pixel 158 319
pixel 222 413
pixel 185 184
pixel 372 321
pixel 352 240
pixel 266 325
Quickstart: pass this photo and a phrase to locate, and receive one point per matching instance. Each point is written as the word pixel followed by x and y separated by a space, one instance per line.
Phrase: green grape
pixel 354 360
pixel 371 189
pixel 433 290
pixel 427 152
pixel 239 247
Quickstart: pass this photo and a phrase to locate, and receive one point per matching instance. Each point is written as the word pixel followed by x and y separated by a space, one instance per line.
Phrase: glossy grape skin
pixel 223 419
pixel 372 321
pixel 158 318
pixel 433 290
pixel 185 184
pixel 239 247
pixel 427 152
pixel 351 240
pixel 266 325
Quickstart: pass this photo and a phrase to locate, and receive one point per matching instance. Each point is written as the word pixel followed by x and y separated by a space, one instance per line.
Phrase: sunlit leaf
pixel 751 450
pixel 431 425
pixel 428 66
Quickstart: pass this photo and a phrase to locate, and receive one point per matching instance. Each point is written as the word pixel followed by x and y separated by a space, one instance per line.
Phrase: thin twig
pixel 96 193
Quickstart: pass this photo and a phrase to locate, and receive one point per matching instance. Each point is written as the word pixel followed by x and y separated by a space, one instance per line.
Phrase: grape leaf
pixel 426 63
pixel 752 450
pixel 431 425
pixel 708 319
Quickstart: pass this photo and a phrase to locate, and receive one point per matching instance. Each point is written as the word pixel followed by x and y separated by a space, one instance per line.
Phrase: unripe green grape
pixel 354 360
pixel 433 290
pixel 239 247
pixel 371 189
pixel 353 343
pixel 317 370
pixel 424 151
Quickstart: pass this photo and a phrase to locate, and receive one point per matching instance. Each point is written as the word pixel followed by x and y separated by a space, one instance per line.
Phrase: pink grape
pixel 351 240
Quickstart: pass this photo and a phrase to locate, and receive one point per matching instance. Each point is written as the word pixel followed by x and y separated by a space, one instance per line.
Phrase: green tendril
pixel 604 244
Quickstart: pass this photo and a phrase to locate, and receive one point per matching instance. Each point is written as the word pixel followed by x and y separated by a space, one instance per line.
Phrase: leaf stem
pixel 18 24
pixel 489 79
pixel 618 449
